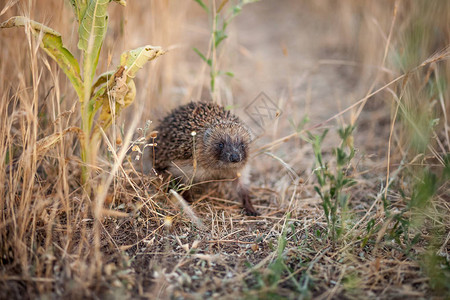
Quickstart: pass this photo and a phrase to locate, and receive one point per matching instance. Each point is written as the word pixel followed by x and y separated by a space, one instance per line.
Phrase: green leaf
pixel 219 36
pixel 446 172
pixel 324 133
pixel 424 190
pixel 236 10
pixel 21 21
pixel 52 44
pixel 213 83
pixel 103 78
pixel 118 86
pixel 208 61
pixel 79 7
pixel 134 60
pixel 317 189
pixel 91 33
pixel 222 5
pixel 54 48
pixel 282 243
pixel 203 5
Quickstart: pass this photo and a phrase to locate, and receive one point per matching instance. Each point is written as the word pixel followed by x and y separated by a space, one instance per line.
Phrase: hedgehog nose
pixel 234 157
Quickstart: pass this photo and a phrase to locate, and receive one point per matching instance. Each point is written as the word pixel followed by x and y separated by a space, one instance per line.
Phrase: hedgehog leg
pixel 244 195
pixel 188 195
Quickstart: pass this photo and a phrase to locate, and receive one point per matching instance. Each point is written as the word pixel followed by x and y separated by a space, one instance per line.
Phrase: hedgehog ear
pixel 207 135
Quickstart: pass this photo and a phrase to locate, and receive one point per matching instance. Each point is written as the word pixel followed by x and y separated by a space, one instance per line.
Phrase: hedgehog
pixel 203 142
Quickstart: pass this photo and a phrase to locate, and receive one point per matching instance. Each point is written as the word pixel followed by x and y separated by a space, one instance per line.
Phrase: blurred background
pixel 311 58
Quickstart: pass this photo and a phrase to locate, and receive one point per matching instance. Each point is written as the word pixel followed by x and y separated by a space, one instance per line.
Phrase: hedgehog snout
pixel 233 154
pixel 234 157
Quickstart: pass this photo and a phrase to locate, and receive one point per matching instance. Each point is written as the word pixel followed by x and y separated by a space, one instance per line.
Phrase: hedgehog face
pixel 230 150
pixel 226 145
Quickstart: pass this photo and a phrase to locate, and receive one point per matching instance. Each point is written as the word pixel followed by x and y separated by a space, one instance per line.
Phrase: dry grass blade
pixel 188 210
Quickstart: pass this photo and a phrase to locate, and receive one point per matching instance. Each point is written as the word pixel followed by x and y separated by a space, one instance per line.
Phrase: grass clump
pixel 333 183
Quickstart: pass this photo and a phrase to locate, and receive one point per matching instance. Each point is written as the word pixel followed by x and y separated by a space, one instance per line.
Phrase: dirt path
pixel 282 46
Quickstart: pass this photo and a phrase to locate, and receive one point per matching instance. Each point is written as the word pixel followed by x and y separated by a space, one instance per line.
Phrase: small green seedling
pixel 220 23
pixel 332 183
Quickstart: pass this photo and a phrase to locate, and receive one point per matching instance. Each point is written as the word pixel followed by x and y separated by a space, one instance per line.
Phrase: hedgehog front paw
pixel 248 206
pixel 251 211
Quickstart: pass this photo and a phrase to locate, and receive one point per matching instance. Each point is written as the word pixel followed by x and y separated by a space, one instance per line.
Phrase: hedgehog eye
pixel 221 145
pixel 242 146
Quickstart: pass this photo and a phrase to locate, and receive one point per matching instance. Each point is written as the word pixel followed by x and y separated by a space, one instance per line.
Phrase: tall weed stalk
pixel 110 93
